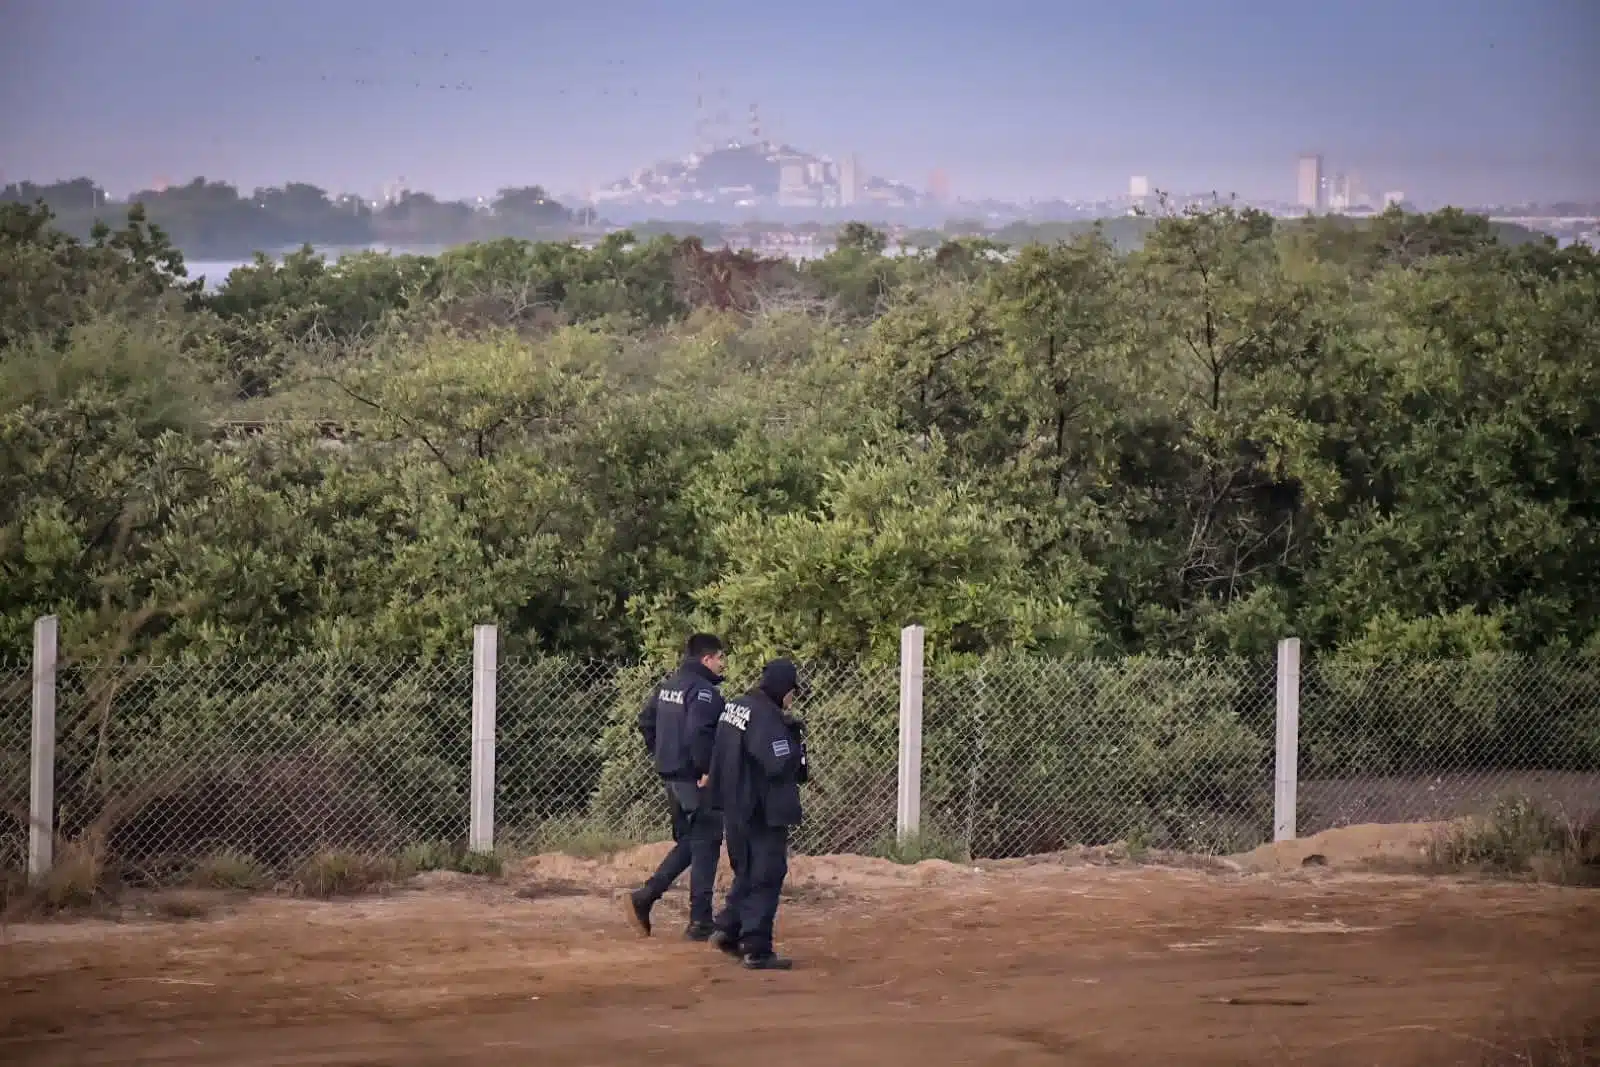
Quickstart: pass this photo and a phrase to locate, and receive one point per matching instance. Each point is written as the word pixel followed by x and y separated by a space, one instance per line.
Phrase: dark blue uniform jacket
pixel 758 761
pixel 679 722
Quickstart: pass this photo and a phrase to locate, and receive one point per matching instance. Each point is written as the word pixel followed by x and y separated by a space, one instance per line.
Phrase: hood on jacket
pixel 694 666
pixel 779 678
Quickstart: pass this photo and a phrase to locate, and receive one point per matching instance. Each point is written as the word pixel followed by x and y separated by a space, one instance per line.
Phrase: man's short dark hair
pixel 699 646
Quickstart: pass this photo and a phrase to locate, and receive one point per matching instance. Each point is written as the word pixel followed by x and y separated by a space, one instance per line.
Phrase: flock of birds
pixel 431 82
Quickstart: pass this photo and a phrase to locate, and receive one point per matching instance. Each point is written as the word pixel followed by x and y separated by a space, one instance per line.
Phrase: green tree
pixel 859 237
pixel 891 543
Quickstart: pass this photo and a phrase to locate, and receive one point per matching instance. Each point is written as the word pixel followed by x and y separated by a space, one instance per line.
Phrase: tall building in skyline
pixel 1138 187
pixel 849 180
pixel 1354 192
pixel 793 189
pixel 1339 196
pixel 1309 191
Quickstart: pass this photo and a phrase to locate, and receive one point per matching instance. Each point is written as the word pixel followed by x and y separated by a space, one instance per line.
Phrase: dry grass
pixel 332 873
pixel 182 906
pixel 482 864
pixel 230 869
pixel 82 882
pixel 442 856
pixel 1519 838
pixel 925 845
pixel 1565 1036
pixel 336 873
pixel 582 839
pixel 429 856
pixel 76 882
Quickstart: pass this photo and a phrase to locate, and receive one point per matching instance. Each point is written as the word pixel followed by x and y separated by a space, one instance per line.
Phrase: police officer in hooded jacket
pixel 757 767
pixel 678 723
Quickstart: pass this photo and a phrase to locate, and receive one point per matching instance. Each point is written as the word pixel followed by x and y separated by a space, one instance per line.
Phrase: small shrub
pixel 925 845
pixel 582 839
pixel 483 864
pixel 181 906
pixel 337 874
pixel 430 856
pixel 76 880
pixel 442 856
pixel 230 869
pixel 1519 837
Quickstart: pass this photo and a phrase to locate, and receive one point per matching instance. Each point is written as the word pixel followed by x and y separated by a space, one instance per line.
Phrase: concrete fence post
pixel 1286 774
pixel 908 816
pixel 42 774
pixel 485 671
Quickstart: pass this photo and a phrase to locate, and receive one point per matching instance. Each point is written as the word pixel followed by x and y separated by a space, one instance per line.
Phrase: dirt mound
pixel 1347 846
pixel 617 870
pixel 444 880
pixel 1118 855
pixel 1396 845
pixel 845 874
pixel 863 873
pixel 629 868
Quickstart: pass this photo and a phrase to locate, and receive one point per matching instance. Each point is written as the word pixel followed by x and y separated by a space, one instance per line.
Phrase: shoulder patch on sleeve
pixel 704 696
pixel 780 747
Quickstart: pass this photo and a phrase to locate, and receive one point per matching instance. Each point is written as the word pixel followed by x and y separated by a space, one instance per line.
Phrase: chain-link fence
pixel 572 773
pixel 173 763
pixel 16 706
pixel 1433 740
pixel 1026 755
pixel 170 764
pixel 560 728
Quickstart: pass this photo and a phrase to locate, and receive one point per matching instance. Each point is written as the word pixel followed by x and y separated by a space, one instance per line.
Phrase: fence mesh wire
pixel 1026 755
pixel 178 762
pixel 562 732
pixel 16 711
pixel 175 763
pixel 1433 740
pixel 572 772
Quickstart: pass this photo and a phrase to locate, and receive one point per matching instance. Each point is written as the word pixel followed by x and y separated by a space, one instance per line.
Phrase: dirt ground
pixel 1064 960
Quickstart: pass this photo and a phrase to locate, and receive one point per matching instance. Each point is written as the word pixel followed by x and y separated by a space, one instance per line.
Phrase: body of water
pixel 216 271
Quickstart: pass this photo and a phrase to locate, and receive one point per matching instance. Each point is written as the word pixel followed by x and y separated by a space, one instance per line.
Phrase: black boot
pixel 766 961
pixel 636 906
pixel 699 931
pixel 726 943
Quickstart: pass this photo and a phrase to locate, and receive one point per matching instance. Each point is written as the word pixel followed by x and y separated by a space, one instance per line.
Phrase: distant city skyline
pixel 831 185
pixel 1475 102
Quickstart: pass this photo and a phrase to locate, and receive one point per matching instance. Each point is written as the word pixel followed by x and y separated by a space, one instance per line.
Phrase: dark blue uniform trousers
pixel 697 846
pixel 760 858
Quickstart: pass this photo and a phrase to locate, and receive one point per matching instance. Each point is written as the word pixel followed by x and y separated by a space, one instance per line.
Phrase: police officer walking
pixel 757 767
pixel 679 723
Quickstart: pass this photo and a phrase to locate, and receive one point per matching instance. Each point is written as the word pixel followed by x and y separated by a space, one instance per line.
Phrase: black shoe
pixel 637 909
pixel 726 943
pixel 699 931
pixel 766 961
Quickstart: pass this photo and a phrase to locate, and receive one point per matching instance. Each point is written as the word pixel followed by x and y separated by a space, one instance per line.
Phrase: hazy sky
pixel 1471 100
